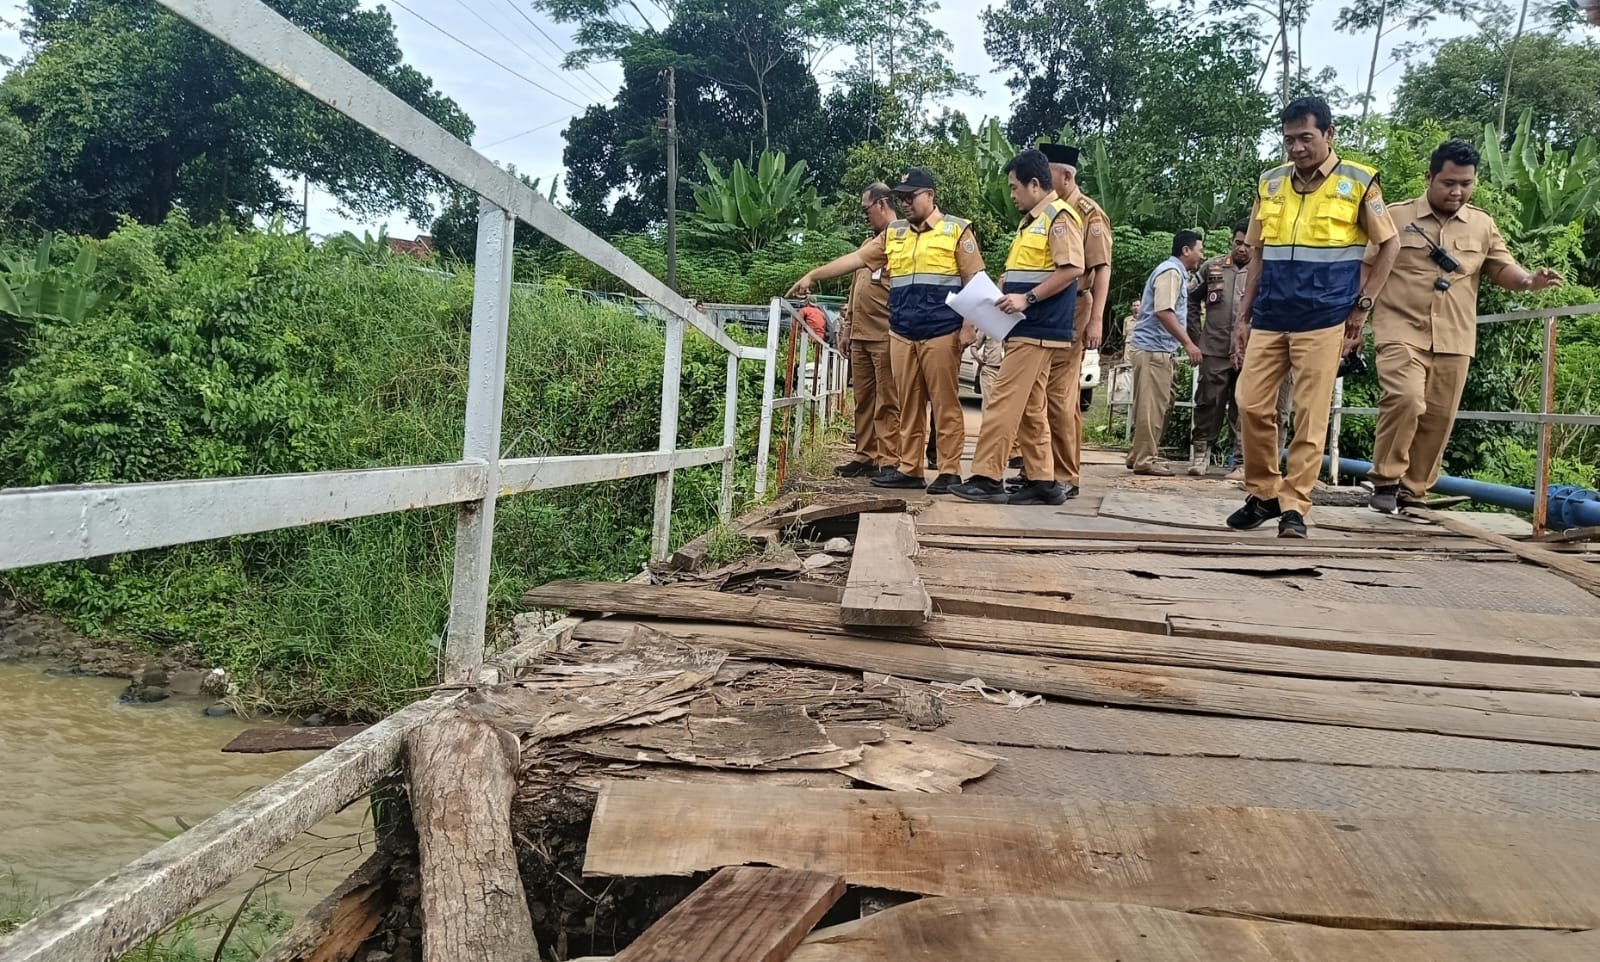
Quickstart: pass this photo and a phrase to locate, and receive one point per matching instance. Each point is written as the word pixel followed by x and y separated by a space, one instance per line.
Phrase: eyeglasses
pixel 867 208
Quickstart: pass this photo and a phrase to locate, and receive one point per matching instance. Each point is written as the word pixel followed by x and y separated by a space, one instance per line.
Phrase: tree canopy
pixel 121 109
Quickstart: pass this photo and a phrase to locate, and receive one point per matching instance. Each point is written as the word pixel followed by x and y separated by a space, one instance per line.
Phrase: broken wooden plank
pixel 335 929
pixel 262 741
pixel 1185 511
pixel 1285 549
pixel 908 761
pixel 1581 573
pixel 689 557
pixel 461 774
pixel 883 587
pixel 963 929
pixel 1090 643
pixel 1122 731
pixel 828 510
pixel 740 915
pixel 1331 868
pixel 1114 685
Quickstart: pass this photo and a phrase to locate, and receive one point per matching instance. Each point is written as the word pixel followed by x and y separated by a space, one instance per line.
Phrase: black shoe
pixel 1385 500
pixel 855 469
pixel 1015 462
pixel 980 489
pixel 1254 514
pixel 1407 500
pixel 1017 483
pixel 1291 525
pixel 933 461
pixel 892 478
pixel 1039 492
pixel 1067 490
pixel 943 483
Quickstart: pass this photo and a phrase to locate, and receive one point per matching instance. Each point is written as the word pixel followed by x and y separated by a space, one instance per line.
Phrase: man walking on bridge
pixel 1307 295
pixel 927 256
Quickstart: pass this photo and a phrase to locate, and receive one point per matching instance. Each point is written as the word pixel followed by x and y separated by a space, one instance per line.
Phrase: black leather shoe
pixel 892 478
pixel 1385 500
pixel 1291 525
pixel 980 489
pixel 943 483
pixel 1039 492
pixel 1015 463
pixel 933 462
pixel 1017 483
pixel 855 469
pixel 1254 514
pixel 1067 490
pixel 1407 500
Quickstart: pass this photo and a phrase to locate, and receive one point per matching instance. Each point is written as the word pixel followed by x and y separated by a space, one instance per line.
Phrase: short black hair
pixel 1457 152
pixel 1183 240
pixel 1313 107
pixel 1242 227
pixel 1031 165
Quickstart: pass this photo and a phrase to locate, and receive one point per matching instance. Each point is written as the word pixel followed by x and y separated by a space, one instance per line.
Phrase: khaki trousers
pixel 929 372
pixel 1153 394
pixel 1068 443
pixel 1421 391
pixel 1312 357
pixel 1215 397
pixel 1049 413
pixel 877 407
pixel 1025 370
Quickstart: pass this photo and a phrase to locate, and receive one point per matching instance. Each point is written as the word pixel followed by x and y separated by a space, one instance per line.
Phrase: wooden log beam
pixel 462 773
pixel 883 587
pixel 336 928
pixel 741 915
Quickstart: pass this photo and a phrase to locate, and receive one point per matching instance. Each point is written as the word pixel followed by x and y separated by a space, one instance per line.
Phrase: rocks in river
pixel 138 694
pixel 219 710
pixel 316 720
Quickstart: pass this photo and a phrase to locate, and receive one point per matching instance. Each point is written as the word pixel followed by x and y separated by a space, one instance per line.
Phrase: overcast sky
pixel 520 124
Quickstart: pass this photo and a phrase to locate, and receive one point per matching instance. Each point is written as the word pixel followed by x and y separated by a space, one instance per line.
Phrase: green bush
pixel 258 353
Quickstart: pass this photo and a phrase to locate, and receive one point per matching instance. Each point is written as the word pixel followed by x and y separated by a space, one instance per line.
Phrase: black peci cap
pixel 1060 154
pixel 917 178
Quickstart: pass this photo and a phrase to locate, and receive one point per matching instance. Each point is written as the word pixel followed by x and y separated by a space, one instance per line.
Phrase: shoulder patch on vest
pixel 1347 187
pixel 1274 185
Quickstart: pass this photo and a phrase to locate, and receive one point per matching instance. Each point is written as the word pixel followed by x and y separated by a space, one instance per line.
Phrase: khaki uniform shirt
pixel 1221 292
pixel 969 261
pixel 869 305
pixel 1066 249
pixel 1096 250
pixel 1375 219
pixel 1410 310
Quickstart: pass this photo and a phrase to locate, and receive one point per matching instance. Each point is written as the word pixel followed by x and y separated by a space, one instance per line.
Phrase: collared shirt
pixel 1375 221
pixel 969 260
pixel 1096 247
pixel 1065 244
pixel 1411 310
pixel 1221 292
pixel 1164 291
pixel 869 305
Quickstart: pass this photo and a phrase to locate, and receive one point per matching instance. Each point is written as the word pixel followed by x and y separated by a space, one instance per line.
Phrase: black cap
pixel 1060 154
pixel 917 178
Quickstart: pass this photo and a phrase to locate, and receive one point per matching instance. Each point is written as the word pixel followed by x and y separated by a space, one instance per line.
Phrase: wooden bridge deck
pixel 1125 733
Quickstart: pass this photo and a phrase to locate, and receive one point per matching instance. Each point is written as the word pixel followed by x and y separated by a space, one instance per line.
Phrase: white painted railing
pixel 75 522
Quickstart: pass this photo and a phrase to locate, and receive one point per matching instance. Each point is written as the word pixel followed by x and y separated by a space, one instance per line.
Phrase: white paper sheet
pixel 976 303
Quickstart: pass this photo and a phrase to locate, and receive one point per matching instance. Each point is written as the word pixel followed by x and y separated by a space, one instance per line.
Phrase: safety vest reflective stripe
pixel 1312 248
pixel 1028 263
pixel 937 280
pixel 1313 255
pixel 1026 277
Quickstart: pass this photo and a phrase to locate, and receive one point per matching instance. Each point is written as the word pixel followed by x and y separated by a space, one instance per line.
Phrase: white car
pixel 1089 378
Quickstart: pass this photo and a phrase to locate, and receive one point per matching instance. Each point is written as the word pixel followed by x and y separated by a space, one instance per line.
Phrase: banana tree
pixel 988 151
pixel 1554 189
pixel 34 290
pixel 1124 202
pixel 747 211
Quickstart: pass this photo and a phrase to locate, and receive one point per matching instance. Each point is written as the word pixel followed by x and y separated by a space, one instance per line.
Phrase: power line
pixel 530 130
pixel 520 76
pixel 590 88
pixel 521 49
pixel 600 85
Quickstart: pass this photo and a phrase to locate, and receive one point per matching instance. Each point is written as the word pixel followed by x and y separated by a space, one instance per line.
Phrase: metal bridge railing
pixel 822 398
pixel 75 522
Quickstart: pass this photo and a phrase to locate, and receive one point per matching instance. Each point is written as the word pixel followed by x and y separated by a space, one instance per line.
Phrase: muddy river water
pixel 87 785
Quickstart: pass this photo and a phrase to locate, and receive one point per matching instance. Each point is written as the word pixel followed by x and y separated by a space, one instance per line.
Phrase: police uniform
pixel 1213 307
pixel 871 375
pixel 1426 338
pixel 1311 242
pixel 924 264
pixel 1048 238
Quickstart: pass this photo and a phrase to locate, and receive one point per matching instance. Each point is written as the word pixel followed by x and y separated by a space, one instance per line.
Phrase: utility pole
pixel 672 179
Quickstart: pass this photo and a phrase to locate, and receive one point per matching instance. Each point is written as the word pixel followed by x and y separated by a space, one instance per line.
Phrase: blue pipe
pixel 1569 506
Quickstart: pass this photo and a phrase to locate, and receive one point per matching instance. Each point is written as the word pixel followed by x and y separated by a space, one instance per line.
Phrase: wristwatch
pixel 1031 298
pixel 1365 303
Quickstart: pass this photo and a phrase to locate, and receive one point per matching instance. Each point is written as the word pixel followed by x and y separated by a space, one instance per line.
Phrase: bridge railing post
pixel 671 376
pixel 769 369
pixel 486 379
pixel 730 438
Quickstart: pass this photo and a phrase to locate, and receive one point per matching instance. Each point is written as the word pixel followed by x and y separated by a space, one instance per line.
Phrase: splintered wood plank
pixel 963 929
pixel 1275 548
pixel 1219 693
pixel 1138 648
pixel 883 587
pixel 1581 573
pixel 908 761
pixel 828 510
pixel 1183 511
pixel 1427 871
pixel 740 915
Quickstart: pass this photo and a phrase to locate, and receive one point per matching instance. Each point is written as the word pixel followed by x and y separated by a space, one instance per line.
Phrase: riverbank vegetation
pixel 160 318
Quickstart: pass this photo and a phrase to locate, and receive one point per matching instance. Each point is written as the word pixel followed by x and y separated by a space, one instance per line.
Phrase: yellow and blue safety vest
pixel 1312 246
pixel 1028 264
pixel 922 270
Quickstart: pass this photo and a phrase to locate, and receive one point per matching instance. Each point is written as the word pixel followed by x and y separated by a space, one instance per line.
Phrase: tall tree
pixel 1280 25
pixel 902 56
pixel 1384 18
pixel 1463 85
pixel 128 110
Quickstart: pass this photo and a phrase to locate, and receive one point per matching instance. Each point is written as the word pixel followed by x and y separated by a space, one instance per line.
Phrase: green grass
pixel 724 545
